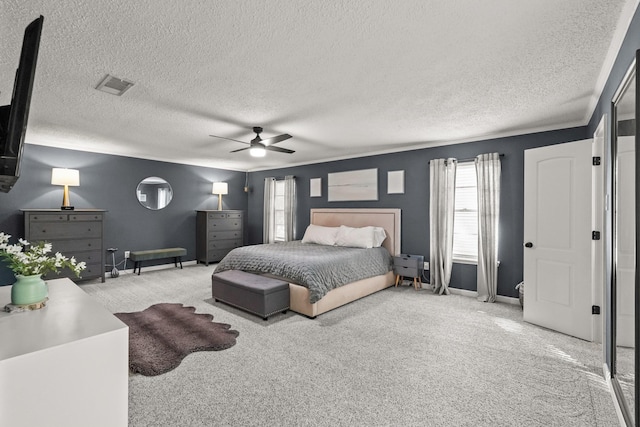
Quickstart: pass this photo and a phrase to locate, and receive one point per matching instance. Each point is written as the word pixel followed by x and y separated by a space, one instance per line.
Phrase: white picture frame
pixel 357 185
pixel 395 182
pixel 315 187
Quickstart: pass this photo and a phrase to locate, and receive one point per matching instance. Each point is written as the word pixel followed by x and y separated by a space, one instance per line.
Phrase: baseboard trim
pixel 152 267
pixel 474 294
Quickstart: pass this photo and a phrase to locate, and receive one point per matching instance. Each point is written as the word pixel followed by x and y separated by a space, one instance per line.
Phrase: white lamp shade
pixel 61 176
pixel 220 188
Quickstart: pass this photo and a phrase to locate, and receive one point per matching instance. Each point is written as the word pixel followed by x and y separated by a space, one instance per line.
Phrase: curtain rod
pixel 473 158
pixel 470 159
pixel 280 178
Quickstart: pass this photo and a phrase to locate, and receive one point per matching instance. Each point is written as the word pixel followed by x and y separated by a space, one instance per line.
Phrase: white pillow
pixel 320 235
pixel 363 237
pixel 378 236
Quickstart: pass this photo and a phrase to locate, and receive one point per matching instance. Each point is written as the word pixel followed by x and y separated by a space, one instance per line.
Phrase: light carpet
pixel 400 357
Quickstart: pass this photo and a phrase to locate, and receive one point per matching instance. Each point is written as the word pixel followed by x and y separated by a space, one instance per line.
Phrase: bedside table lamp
pixel 66 177
pixel 220 188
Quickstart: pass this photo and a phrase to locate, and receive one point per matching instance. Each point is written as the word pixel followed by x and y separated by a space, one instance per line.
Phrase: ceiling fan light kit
pixel 257 152
pixel 258 147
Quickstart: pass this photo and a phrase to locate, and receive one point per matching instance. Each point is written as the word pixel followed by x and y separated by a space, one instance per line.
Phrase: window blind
pixel 465 222
pixel 279 211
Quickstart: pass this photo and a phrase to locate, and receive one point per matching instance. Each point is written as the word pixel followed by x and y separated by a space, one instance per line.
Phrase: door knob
pixel 528 245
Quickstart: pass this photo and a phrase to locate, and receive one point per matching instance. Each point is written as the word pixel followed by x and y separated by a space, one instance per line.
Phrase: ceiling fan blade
pixel 276 139
pixel 278 149
pixel 230 139
pixel 239 149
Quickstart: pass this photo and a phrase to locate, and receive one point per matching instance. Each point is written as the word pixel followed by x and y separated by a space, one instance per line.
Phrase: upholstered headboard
pixel 389 219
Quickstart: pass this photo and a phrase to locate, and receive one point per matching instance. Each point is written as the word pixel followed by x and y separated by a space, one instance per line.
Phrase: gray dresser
pixel 217 232
pixel 78 233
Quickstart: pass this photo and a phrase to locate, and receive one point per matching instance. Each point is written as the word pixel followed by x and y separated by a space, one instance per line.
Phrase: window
pixel 465 222
pixel 278 204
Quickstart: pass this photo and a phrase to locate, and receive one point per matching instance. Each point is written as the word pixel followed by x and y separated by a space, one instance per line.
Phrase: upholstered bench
pixel 138 256
pixel 256 294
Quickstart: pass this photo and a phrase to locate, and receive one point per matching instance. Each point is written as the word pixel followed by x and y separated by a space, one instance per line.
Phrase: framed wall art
pixel 352 185
pixel 395 182
pixel 315 187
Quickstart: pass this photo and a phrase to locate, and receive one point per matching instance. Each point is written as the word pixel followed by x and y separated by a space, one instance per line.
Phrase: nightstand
pixel 405 265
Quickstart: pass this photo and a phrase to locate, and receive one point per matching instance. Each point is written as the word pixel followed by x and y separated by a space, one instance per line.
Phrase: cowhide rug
pixel 163 334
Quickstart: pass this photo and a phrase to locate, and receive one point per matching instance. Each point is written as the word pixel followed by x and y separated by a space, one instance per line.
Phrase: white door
pixel 625 241
pixel 557 236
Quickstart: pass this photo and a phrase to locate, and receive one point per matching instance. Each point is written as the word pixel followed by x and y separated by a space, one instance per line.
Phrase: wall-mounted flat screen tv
pixel 13 117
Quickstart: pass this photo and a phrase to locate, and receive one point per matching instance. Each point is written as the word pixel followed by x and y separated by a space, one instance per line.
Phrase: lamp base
pixel 67 208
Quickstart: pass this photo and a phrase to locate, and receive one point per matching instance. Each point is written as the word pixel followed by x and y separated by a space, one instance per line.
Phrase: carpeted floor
pixel 400 357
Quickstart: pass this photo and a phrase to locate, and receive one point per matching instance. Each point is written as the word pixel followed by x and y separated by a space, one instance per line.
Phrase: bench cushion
pixel 157 254
pixel 251 282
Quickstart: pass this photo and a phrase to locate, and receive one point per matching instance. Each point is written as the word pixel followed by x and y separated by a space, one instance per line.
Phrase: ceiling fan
pixel 258 147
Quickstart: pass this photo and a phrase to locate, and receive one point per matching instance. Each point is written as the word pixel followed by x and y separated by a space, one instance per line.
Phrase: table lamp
pixel 66 177
pixel 220 188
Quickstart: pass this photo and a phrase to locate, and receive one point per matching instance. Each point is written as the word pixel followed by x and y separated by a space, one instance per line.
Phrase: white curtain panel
pixel 488 170
pixel 269 222
pixel 289 208
pixel 441 213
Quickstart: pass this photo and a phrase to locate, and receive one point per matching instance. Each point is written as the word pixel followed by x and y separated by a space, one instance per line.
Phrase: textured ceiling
pixel 345 77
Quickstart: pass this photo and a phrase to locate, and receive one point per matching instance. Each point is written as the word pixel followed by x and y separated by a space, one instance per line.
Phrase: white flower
pixel 28 259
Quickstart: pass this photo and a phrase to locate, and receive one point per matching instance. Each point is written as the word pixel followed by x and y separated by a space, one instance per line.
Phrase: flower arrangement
pixel 25 259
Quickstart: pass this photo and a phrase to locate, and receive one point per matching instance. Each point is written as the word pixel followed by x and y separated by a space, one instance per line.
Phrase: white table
pixel 65 364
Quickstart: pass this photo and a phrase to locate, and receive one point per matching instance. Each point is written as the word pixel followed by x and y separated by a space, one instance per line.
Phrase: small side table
pixel 405 265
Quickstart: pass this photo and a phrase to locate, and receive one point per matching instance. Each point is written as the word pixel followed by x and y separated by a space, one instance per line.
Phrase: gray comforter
pixel 317 267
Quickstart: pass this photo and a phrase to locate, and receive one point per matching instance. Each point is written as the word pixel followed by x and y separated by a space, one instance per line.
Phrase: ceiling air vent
pixel 114 85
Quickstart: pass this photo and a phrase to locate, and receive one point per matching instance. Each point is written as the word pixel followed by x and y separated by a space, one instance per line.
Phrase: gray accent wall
pixel 109 182
pixel 415 200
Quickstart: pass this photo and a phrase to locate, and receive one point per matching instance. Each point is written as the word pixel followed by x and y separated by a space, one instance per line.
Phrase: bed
pixel 312 303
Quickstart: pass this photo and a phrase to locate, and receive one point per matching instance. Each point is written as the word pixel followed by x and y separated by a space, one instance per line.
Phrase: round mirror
pixel 154 193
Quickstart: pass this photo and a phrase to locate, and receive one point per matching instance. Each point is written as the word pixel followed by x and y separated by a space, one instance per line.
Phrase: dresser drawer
pixel 85 217
pixel 401 270
pixel 217 255
pixel 225 244
pixel 224 215
pixel 91 271
pixel 216 215
pixel 66 246
pixel 225 224
pixel 90 257
pixel 221 235
pixel 61 230
pixel 48 217
pixel 408 260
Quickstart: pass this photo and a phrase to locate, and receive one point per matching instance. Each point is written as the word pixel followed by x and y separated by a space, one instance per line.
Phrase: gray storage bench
pixel 138 256
pixel 256 294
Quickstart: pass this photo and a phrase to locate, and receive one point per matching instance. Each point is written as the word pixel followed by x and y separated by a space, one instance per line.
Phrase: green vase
pixel 29 290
